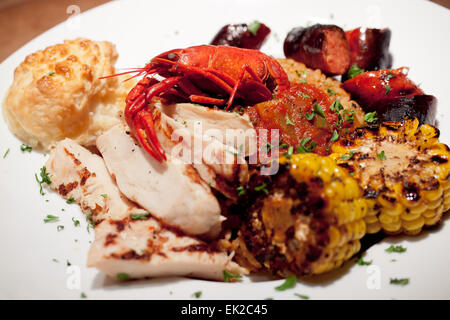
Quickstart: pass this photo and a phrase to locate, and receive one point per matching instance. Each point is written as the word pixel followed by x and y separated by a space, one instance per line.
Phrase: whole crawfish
pixel 215 75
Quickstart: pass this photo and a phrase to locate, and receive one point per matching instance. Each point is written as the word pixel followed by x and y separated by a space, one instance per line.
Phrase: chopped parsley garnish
pixel 60 228
pixel 6 153
pixel 68 263
pixel 302 148
pixel 70 200
pixel 288 121
pixel 289 153
pixel 401 282
pixel 254 27
pixel 302 74
pixel 348 156
pixel 371 117
pixel 227 276
pixel 139 216
pixel 331 92
pixel 51 218
pixel 335 136
pixel 381 155
pixel 45 178
pixel 390 75
pixel 354 71
pixel 263 188
pixel 388 88
pixel 197 294
pixel 350 117
pixel 24 147
pixel 55 260
pixel 51 73
pixel 398 249
pixel 310 116
pixel 288 283
pixel 83 295
pixel 122 276
pixel 302 296
pixel 240 190
pixel 318 109
pixel 336 106
pixel 76 223
pixel 104 195
pixel 361 262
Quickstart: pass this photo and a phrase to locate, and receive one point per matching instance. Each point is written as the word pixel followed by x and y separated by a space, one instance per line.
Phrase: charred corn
pixel 404 172
pixel 307 219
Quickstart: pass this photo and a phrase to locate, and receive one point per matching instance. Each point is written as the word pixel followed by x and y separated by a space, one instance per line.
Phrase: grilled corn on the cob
pixel 404 172
pixel 307 219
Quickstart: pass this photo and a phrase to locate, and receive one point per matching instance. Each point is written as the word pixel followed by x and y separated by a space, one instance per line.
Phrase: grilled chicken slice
pixel 214 141
pixel 145 248
pixel 127 238
pixel 79 174
pixel 171 191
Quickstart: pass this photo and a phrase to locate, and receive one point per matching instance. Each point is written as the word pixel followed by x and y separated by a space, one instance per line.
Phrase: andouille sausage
pixel 369 48
pixel 422 107
pixel 371 87
pixel 323 47
pixel 241 36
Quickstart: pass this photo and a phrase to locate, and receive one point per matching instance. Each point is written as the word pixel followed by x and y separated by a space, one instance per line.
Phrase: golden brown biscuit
pixel 57 93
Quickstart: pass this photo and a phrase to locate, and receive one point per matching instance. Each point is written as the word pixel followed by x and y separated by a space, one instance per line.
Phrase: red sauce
pixel 287 114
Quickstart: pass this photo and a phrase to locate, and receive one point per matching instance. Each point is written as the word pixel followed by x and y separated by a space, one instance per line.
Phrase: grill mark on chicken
pixel 110 239
pixel 75 160
pixel 84 175
pixel 204 247
pixel 65 189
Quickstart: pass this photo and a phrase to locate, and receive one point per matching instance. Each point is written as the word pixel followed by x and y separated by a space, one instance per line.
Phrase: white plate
pixel 142 29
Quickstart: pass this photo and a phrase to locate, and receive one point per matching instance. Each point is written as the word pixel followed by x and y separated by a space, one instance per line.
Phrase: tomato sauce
pixel 300 114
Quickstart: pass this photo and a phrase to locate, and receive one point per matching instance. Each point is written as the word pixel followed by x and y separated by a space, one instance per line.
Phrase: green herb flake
pixel 335 136
pixel 76 223
pixel 263 188
pixel 51 218
pixel 354 71
pixel 388 88
pixel 371 117
pixel 197 294
pixel 350 117
pixel 397 249
pixel 240 190
pixel 55 260
pixel 139 216
pixel 6 153
pixel 227 276
pixel 331 92
pixel 68 263
pixel 348 156
pixel 25 148
pixel 310 116
pixel 401 282
pixel 70 200
pixel 104 195
pixel 122 276
pixel 60 228
pixel 269 298
pixel 45 178
pixel 51 73
pixel 336 106
pixel 362 262
pixel 302 296
pixel 381 155
pixel 288 283
pixel 254 27
pixel 288 121
pixel 318 109
pixel 303 148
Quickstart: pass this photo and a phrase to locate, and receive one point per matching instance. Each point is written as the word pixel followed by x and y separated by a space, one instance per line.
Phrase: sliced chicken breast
pixel 216 142
pixel 143 248
pixel 171 190
pixel 81 175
